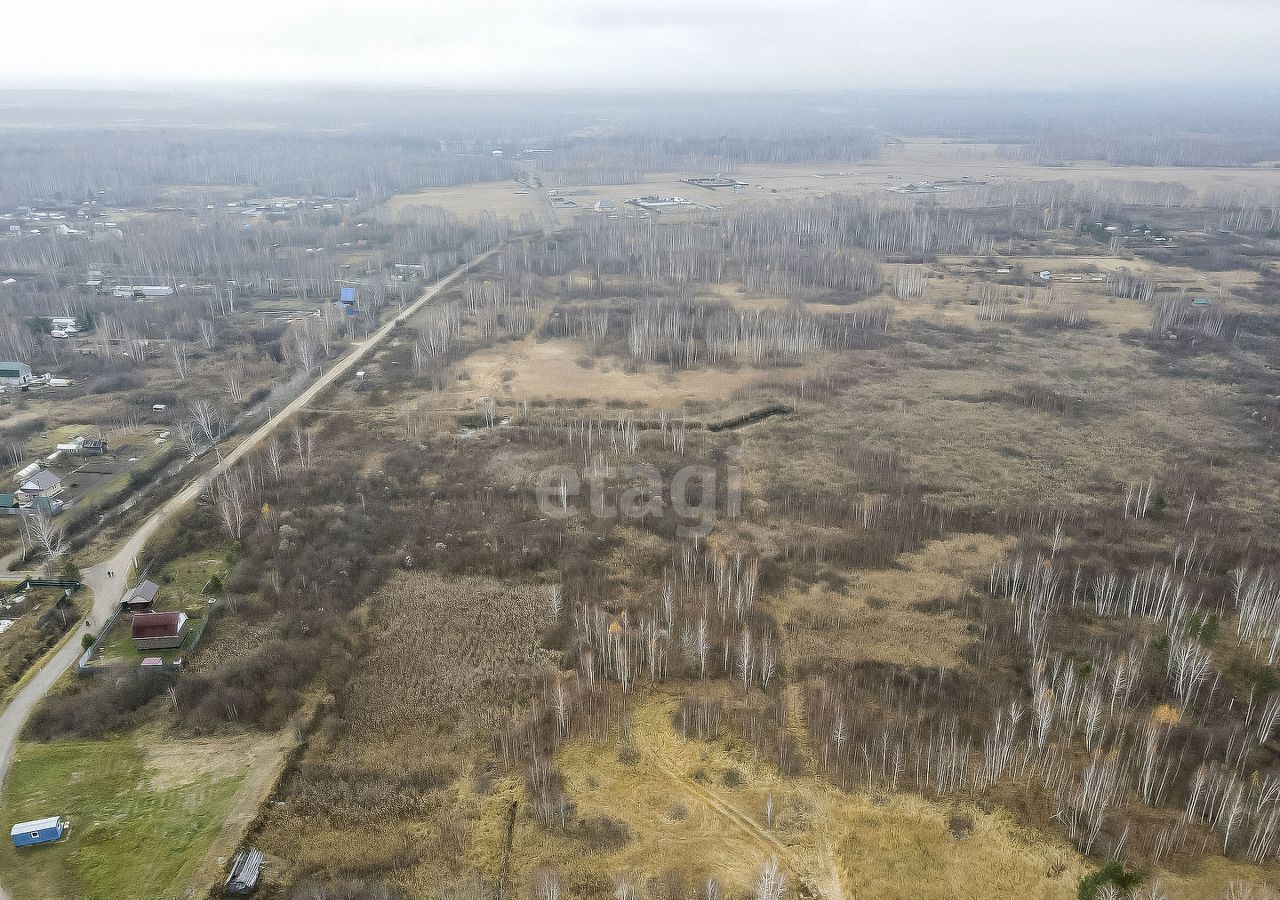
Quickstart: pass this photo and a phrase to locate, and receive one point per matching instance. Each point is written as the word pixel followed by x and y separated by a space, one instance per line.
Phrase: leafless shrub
pixel 909 282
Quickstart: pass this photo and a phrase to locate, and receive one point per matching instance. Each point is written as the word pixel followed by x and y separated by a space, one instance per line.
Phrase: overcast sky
pixel 697 44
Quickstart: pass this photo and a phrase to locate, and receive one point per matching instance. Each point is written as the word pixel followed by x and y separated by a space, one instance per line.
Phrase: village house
pixel 159 630
pixel 42 484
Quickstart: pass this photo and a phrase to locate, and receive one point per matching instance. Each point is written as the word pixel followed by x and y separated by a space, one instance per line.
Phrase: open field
pixel 903 162
pixel 414 717
pixel 974 413
pixel 678 815
pixel 898 542
pixel 916 160
pixel 902 615
pixel 142 808
pixel 947 408
pixel 699 809
pixel 506 199
pixel 560 370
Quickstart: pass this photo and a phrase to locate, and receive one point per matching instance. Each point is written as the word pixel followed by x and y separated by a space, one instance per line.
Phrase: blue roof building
pixel 347 301
pixel 38 831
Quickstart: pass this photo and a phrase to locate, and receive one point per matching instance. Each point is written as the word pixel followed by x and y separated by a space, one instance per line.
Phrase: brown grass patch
pixel 177 763
pixel 549 370
pixel 446 650
pixel 683 817
pixel 468 201
pixel 899 615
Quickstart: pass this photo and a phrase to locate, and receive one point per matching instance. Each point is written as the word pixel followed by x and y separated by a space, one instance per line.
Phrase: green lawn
pixel 129 840
pixel 183 579
pixel 118 644
pixel 119 649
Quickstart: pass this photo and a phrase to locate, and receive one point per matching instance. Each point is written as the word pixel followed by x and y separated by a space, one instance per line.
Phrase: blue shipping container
pixel 37 831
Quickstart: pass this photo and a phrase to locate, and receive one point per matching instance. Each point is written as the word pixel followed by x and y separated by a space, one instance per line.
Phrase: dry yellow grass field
pixel 926 159
pixel 550 369
pixel 683 817
pixel 977 416
pixel 903 162
pixel 883 615
pixel 504 199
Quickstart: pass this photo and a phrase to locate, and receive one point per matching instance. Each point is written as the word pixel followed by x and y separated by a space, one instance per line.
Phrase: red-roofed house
pixel 159 630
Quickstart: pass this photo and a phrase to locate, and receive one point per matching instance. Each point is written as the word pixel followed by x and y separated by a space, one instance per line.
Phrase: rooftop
pixel 157 624
pixel 145 591
pixel 35 825
pixel 42 481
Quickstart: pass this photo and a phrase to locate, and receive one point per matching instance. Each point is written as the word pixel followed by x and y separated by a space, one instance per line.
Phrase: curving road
pixel 107 591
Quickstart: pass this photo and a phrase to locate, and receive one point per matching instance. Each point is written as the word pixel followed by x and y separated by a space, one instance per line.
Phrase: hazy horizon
pixel 706 45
